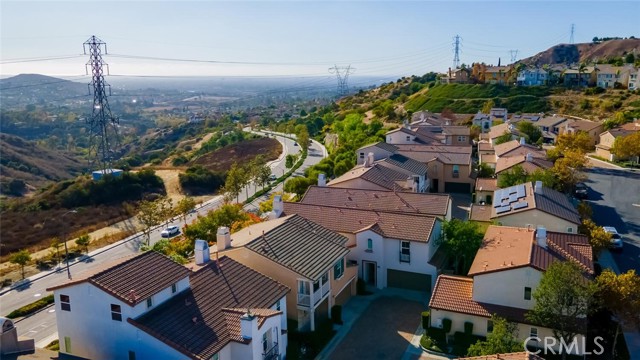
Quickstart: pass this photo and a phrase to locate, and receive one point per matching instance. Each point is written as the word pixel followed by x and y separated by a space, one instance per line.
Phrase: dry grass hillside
pixel 586 52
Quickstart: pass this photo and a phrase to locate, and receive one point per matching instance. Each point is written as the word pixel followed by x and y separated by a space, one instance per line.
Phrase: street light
pixel 64 240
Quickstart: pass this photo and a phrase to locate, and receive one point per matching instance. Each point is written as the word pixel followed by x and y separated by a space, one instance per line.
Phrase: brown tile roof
pixel 480 213
pixel 583 125
pixel 484 146
pixel 631 126
pixel 445 158
pixel 550 121
pixel 215 291
pixel 383 176
pixel 401 226
pixel 136 278
pixel 456 130
pixel 233 315
pixel 389 201
pixel 449 149
pixel 510 356
pixel 382 145
pixel 403 163
pixel 505 247
pixel 506 163
pixel 505 147
pixel 486 184
pixel 500 129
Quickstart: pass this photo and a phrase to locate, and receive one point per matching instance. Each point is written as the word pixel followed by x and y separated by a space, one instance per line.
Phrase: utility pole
pixel 456 51
pixel 573 29
pixel 103 126
pixel 342 73
pixel 514 55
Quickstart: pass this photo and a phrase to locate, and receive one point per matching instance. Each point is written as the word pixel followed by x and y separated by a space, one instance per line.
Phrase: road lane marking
pixel 638 205
pixel 37 295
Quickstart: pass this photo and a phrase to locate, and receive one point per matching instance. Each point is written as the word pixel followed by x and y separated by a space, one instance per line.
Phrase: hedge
pixel 31 308
pixel 425 319
pixel 446 325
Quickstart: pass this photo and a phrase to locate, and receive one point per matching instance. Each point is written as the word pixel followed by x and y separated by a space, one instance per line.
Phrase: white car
pixel 616 239
pixel 170 231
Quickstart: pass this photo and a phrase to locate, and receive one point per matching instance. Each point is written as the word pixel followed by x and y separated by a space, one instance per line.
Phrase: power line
pixel 48 58
pixel 342 73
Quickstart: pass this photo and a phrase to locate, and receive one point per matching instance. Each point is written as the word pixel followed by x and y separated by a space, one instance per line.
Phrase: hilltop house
pixel 607 138
pixel 301 254
pixel 497 75
pixel 593 129
pixel 503 277
pixel 609 76
pixel 150 307
pixel 395 172
pixel 634 82
pixel 532 77
pixel 550 127
pixel 579 77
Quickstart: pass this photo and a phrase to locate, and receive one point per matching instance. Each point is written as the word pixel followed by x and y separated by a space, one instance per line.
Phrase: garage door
pixel 408 280
pixel 453 187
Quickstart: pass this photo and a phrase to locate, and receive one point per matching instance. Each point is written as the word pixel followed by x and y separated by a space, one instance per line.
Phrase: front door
pixel 434 185
pixel 369 272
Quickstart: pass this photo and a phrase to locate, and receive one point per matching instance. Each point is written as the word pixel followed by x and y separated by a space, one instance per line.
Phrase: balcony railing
pixel 271 354
pixel 325 288
pixel 304 299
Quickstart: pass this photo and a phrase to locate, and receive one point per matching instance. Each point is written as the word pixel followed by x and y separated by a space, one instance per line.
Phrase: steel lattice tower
pixel 342 73
pixel 514 55
pixel 103 126
pixel 456 51
pixel 573 29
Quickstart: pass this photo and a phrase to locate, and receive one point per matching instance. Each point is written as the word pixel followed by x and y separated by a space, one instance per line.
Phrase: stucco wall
pixel 506 287
pixel 378 154
pixel 537 218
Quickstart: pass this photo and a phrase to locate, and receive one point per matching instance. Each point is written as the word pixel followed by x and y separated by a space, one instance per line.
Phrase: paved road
pixel 614 195
pixel 42 325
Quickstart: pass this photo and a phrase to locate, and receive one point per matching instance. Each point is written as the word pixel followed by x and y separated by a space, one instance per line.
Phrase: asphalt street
pixel 41 326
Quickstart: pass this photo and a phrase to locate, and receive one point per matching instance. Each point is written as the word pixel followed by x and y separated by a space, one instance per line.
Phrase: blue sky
pixel 295 38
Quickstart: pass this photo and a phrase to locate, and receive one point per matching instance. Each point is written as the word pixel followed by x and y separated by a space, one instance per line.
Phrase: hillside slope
pixel 586 52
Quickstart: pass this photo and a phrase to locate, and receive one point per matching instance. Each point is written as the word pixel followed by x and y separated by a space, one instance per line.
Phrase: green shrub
pixel 425 319
pixel 468 328
pixel 429 343
pixel 31 308
pixel 446 325
pixel 336 314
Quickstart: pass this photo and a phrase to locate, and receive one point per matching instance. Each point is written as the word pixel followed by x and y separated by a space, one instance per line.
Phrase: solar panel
pixel 521 191
pixel 513 190
pixel 503 209
pixel 520 205
pixel 513 198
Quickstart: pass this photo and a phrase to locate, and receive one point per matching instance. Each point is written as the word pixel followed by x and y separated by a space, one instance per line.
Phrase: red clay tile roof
pixel 480 213
pixel 506 163
pixel 215 291
pixel 389 201
pixel 510 356
pixel 233 315
pixel 505 147
pixel 486 184
pixel 385 177
pixel 583 125
pixel 484 146
pixel 136 278
pixel 401 226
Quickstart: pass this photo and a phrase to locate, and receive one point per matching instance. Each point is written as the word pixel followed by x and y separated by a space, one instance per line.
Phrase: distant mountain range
pixel 42 83
pixel 586 52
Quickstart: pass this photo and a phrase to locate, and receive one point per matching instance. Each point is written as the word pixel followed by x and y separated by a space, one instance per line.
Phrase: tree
pixel 630 58
pixel 562 302
pixel 149 217
pixel 184 207
pixel 488 105
pixel 263 174
pixel 485 171
pixel 585 210
pixel 579 141
pixel 298 185
pixel 461 242
pixel 290 160
pixel 235 181
pixel 22 258
pixel 207 227
pixel 302 135
pixel 531 132
pixel 599 239
pixel 620 294
pixel 55 249
pixel 503 339
pixel 568 169
pixel 165 208
pixel 546 176
pixel 506 136
pixel 514 176
pixel 625 147
pixel 83 242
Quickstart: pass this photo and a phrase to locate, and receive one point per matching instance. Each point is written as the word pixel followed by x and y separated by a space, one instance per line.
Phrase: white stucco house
pixel 150 307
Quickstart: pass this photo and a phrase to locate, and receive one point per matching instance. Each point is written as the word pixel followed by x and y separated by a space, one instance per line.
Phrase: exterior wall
pixel 358 183
pixel 399 137
pixel 594 134
pixel 465 140
pixel 480 326
pixel 537 218
pixel 607 139
pixel 444 173
pixel 506 287
pixel 378 154
pixel 89 322
pixel 482 196
pixel 604 153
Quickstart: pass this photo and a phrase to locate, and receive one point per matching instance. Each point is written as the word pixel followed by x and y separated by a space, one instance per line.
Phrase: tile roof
pixel 525 355
pixel 135 278
pixel 388 201
pixel 480 213
pixel 405 163
pixel 216 289
pixel 383 176
pixel 456 130
pixel 582 125
pixel 505 147
pixel 624 130
pixel 505 247
pixel 401 226
pixel 300 245
pixel 500 129
pixel 445 158
pixel 506 163
pixel 382 145
pixel 449 149
pixel 550 121
pixel 486 184
pixel 549 201
pixel 484 146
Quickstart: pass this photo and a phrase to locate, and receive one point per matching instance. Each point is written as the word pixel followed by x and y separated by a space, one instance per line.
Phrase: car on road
pixel 295 144
pixel 616 239
pixel 273 177
pixel 581 191
pixel 170 231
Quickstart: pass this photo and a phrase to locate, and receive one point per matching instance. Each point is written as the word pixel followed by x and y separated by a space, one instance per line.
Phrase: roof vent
pixel 194 320
pixel 187 302
pixel 132 296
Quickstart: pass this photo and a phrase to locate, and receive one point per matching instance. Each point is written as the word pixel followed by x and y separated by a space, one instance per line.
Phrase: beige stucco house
pixel 592 128
pixel 607 139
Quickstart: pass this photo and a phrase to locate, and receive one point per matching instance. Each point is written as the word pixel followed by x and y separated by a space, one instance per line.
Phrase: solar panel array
pixel 509 199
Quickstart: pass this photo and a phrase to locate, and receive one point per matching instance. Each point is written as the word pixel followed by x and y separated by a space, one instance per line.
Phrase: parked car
pixel 616 239
pixel 273 177
pixel 581 191
pixel 170 231
pixel 295 144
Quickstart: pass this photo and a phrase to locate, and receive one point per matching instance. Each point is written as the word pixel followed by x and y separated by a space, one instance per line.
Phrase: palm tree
pixel 581 69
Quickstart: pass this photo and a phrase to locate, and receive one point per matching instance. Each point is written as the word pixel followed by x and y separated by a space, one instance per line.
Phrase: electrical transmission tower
pixel 573 29
pixel 456 51
pixel 103 126
pixel 342 73
pixel 514 55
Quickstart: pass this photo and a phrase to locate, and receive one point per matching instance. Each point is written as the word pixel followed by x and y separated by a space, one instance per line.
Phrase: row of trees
pixel 240 176
pixel 154 213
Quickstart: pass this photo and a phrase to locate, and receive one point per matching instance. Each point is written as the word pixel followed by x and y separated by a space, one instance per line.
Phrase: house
pixel 391 249
pixel 504 156
pixel 502 279
pixel 427 118
pixel 579 77
pixel 301 254
pixel 499 130
pixel 609 76
pixel 402 135
pixel 528 162
pixel 484 190
pixel 593 129
pixel 438 205
pixel 12 345
pixel 532 77
pixel 550 127
pixel 607 138
pixel 486 154
pixel 529 205
pixel 149 307
pixel 634 82
pixel 482 120
pixel 496 74
pixel 457 135
pixel 380 150
pixel 456 76
pixel 499 114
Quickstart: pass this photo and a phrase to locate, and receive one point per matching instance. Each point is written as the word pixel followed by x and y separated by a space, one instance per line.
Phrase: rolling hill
pixel 585 52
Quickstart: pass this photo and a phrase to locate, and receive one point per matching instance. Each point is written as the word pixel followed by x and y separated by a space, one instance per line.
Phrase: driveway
pixel 383 331
pixel 460 206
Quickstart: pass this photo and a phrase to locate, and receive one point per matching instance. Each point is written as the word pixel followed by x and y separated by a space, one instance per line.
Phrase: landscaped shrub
pixel 446 325
pixel 425 319
pixel 468 328
pixel 336 314
pixel 31 308
pixel 429 343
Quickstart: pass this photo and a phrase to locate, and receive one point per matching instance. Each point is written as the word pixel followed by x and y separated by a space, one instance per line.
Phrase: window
pixel 362 155
pixel 149 302
pixel 462 138
pixel 325 278
pixel 569 229
pixel 132 355
pixel 408 138
pixel 215 357
pixel 338 269
pixel 489 326
pixel 533 332
pixel 278 305
pixel 405 251
pixel 456 171
pixel 174 288
pixel 116 312
pixel 369 245
pixel 527 293
pixel 265 342
pixel 65 302
pixel 316 286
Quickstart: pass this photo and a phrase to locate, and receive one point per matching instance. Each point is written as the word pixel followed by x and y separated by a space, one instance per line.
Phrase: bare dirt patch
pixel 222 159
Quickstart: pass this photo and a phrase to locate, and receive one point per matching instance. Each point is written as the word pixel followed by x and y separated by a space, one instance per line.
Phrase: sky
pixel 293 38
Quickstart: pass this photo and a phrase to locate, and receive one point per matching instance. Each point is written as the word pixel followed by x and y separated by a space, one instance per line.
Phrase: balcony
pixel 271 354
pixel 304 299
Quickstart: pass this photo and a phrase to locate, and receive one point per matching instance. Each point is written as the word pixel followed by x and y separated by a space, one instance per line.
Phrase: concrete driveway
pixel 383 331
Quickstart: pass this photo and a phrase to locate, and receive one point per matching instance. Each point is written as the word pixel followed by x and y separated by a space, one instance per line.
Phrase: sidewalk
pixel 604 164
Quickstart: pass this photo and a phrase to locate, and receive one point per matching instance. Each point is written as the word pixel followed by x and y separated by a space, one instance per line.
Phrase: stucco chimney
pixel 202 251
pixel 541 236
pixel 522 142
pixel 529 157
pixel 278 206
pixel 538 187
pixel 370 159
pixel 247 324
pixel 405 124
pixel 223 238
pixel 322 181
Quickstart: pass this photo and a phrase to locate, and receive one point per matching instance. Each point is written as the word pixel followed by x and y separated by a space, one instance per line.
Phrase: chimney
pixel 409 183
pixel 541 236
pixel 449 72
pixel 405 124
pixel 529 157
pixel 202 251
pixel 223 238
pixel 538 187
pixel 370 159
pixel 247 325
pixel 522 142
pixel 322 181
pixel 278 206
